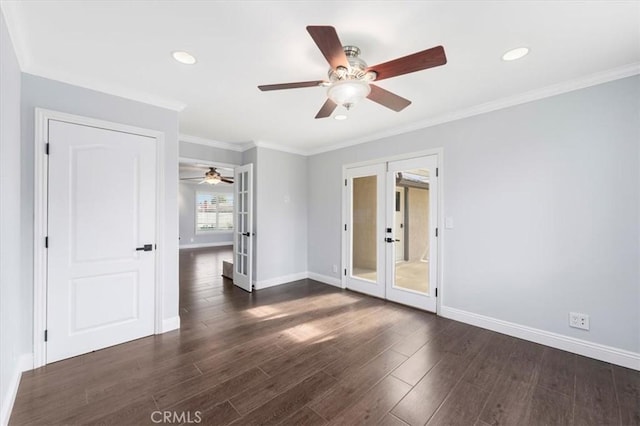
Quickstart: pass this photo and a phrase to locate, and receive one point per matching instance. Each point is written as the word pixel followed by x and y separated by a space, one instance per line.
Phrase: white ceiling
pixel 124 48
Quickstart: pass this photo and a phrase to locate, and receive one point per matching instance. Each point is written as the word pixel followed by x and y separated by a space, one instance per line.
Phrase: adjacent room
pixel 320 213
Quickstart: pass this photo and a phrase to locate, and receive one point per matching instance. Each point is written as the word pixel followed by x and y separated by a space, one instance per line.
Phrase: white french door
pixel 243 232
pixel 366 193
pixel 101 242
pixel 412 280
pixel 391 245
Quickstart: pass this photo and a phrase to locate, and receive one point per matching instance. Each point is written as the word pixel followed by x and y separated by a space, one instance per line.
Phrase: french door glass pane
pixel 365 224
pixel 411 230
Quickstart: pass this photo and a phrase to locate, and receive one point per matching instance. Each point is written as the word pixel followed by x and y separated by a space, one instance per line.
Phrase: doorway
pixel 391 230
pixel 216 208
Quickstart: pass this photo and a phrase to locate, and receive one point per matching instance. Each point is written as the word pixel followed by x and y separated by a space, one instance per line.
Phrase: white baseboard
pixel 259 285
pixel 170 324
pixel 200 245
pixel 25 363
pixel 570 344
pixel 325 279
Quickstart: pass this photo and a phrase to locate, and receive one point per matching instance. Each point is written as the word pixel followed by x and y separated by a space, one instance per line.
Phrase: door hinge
pixel 46 148
pixel 436 232
pixel 345 182
pixel 436 172
pixel 46 335
pixel 345 226
pixel 345 272
pixel 46 242
pixel 436 291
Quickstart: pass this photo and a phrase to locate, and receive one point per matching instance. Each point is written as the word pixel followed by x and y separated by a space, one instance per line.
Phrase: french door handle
pixel 146 247
pixel 246 234
pixel 391 240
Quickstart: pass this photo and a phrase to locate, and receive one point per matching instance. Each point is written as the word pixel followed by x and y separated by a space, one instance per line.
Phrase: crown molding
pixel 279 147
pixel 532 95
pixel 238 147
pixel 111 89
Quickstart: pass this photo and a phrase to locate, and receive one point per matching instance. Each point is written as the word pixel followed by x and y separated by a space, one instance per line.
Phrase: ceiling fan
pixel 212 177
pixel 350 78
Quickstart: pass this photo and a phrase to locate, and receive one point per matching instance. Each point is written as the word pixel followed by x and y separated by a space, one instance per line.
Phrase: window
pixel 214 212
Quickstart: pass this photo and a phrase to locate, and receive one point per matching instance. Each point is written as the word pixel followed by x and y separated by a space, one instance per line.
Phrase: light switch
pixel 448 222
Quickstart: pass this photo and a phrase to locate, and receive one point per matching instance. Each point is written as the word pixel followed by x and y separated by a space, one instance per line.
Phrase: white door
pixel 391 244
pixel 413 281
pixel 243 233
pixel 365 188
pixel 398 215
pixel 101 216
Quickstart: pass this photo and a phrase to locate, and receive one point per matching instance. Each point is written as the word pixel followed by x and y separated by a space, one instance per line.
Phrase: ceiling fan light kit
pixel 350 77
pixel 348 92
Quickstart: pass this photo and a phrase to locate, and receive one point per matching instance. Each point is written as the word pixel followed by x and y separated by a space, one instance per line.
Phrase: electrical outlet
pixel 335 269
pixel 578 320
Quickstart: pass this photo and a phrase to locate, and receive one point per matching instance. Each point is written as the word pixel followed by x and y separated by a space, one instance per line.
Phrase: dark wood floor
pixel 309 354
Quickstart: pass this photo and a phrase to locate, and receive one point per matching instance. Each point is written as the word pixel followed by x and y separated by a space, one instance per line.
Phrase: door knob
pixel 146 247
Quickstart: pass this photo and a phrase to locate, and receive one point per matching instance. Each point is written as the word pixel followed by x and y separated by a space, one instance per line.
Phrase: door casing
pixel 40 221
pixel 438 152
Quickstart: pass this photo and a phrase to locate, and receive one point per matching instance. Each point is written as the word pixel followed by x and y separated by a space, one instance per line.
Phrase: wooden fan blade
pixel 226 180
pixel 326 109
pixel 429 58
pixel 388 99
pixel 329 44
pixel 267 87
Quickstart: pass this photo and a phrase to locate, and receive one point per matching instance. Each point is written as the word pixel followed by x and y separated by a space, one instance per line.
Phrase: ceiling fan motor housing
pixel 357 67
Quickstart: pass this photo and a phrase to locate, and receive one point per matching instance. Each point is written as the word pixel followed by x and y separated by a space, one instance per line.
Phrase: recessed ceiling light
pixel 340 117
pixel 516 53
pixel 184 57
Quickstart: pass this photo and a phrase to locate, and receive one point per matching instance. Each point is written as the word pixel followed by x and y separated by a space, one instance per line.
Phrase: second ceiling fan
pixel 350 78
pixel 212 177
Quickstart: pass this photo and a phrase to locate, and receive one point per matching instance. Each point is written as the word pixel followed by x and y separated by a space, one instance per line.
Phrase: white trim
pixel 285 279
pixel 278 147
pixel 189 160
pixel 213 143
pixel 241 147
pixel 325 279
pixel 42 116
pixel 198 245
pixel 571 344
pixel 170 324
pixel 25 363
pixel 532 95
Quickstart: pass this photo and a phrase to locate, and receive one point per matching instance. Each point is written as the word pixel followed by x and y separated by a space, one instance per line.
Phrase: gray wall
pixel 54 95
pixel 209 153
pixel 187 206
pixel 281 227
pixel 15 334
pixel 545 198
